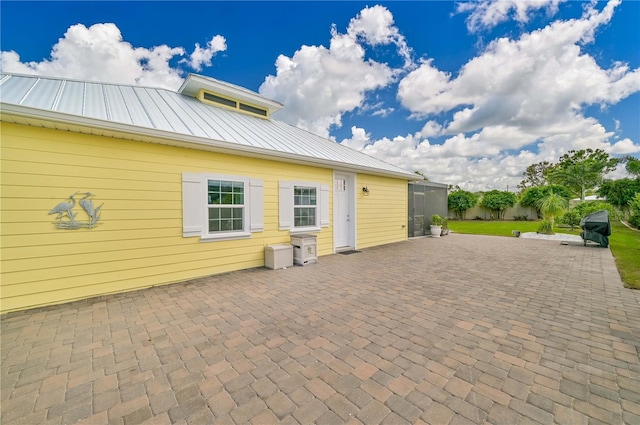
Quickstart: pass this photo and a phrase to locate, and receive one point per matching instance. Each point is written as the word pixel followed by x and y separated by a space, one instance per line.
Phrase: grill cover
pixel 596 227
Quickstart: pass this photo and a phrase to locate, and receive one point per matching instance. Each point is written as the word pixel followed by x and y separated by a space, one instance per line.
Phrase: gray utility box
pixel 278 256
pixel 305 249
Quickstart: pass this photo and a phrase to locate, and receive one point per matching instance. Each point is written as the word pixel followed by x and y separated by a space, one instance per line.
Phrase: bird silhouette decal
pixel 65 210
pixel 65 207
pixel 87 206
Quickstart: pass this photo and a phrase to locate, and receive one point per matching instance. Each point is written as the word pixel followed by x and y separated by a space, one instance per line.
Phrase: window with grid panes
pixel 226 205
pixel 305 204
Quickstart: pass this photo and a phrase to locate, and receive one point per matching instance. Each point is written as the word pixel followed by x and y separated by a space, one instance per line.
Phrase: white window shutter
pixel 324 206
pixel 285 205
pixel 193 208
pixel 256 208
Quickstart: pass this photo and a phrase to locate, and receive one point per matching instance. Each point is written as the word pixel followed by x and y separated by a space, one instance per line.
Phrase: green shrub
pixel 546 227
pixel 571 218
pixel 498 202
pixel 437 220
pixel 460 201
pixel 551 206
pixel 586 208
pixel 532 195
pixel 634 207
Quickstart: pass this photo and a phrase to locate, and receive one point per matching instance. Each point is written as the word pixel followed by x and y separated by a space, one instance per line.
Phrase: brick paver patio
pixel 456 330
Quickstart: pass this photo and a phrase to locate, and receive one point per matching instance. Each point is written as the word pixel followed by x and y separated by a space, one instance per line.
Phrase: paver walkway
pixel 457 330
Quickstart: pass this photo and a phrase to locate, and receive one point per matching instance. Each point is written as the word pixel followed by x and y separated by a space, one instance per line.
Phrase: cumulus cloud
pixel 375 26
pixel 318 85
pixel 99 53
pixel 202 56
pixel 519 95
pixel 624 147
pixel 486 14
pixel 541 79
pixel 458 161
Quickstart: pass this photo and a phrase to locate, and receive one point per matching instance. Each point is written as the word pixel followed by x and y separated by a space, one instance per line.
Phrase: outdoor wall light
pixel 365 190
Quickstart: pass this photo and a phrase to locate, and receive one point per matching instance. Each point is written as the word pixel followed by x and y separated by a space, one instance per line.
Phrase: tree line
pixel 548 187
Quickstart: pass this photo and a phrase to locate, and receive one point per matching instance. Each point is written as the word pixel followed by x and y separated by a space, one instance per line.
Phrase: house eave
pixel 66 122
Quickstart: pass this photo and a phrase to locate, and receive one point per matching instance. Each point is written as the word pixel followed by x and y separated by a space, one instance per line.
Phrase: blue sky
pixel 468 93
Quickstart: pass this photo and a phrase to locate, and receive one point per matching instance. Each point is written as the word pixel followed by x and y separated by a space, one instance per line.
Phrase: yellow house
pixel 108 188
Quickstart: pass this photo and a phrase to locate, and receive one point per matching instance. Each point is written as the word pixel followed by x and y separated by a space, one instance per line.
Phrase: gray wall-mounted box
pixel 278 256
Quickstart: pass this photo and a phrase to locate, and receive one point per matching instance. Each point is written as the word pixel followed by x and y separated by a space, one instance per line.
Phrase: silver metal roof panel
pixel 95 102
pixel 13 90
pixel 71 98
pixel 116 106
pixel 43 93
pixel 137 112
pixel 158 120
pixel 181 117
pixel 170 115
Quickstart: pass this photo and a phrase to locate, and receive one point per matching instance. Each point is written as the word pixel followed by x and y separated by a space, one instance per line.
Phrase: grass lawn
pixel 624 242
pixel 499 228
pixel 625 247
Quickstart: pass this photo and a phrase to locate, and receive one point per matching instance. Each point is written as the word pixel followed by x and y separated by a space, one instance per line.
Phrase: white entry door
pixel 343 211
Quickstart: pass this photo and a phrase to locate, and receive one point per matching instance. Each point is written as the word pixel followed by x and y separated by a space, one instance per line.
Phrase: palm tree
pixel 577 177
pixel 551 206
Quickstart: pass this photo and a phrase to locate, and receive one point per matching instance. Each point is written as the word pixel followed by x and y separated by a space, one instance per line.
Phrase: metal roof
pixel 180 119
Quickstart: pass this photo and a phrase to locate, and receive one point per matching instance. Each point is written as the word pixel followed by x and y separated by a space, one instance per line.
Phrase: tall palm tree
pixel 579 176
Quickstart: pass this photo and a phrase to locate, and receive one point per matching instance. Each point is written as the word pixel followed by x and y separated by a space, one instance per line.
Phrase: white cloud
pixel 375 26
pixel 486 14
pixel 426 90
pixel 539 80
pixel 517 103
pixel 201 56
pixel 318 85
pixel 430 129
pixel 624 147
pixel 99 53
pixel 382 112
pixel 518 95
pixel 458 161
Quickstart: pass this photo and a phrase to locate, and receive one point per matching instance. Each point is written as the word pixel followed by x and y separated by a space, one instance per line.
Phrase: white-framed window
pixel 225 205
pixel 303 206
pixel 216 206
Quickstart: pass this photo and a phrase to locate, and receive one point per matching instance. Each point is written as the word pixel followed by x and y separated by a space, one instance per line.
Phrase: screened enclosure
pixel 425 199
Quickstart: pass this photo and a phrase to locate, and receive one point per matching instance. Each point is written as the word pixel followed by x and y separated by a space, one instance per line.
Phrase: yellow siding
pixel 382 215
pixel 139 240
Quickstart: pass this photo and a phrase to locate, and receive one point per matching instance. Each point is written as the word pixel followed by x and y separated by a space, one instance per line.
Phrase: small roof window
pixel 212 91
pixel 232 104
pixel 221 100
